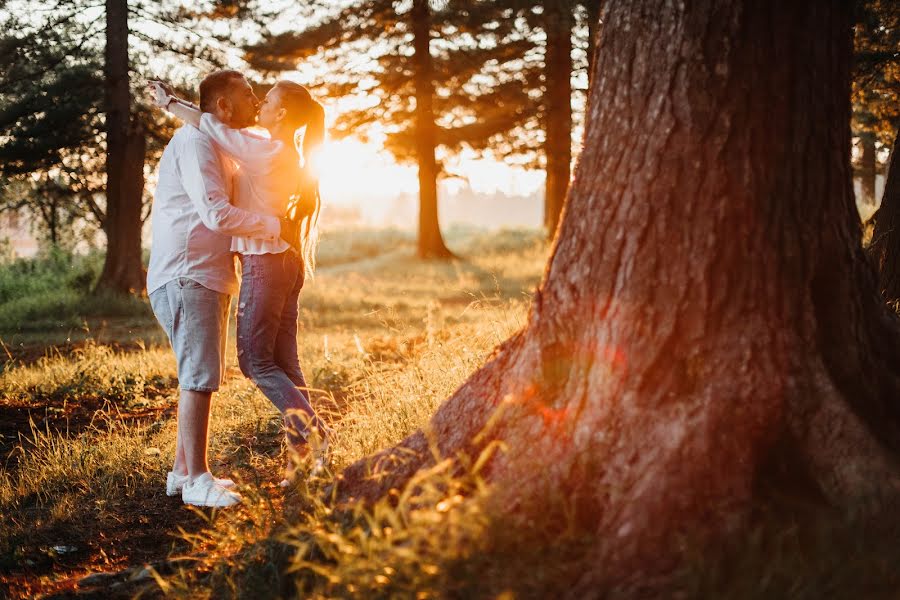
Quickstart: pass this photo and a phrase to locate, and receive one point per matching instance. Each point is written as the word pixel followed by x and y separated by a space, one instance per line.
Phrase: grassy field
pixel 87 400
pixel 88 425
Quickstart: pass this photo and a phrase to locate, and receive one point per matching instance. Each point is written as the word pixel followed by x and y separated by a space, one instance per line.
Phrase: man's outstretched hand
pixel 290 232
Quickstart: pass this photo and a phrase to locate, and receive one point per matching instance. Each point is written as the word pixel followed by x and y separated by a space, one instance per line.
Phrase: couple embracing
pixel 224 190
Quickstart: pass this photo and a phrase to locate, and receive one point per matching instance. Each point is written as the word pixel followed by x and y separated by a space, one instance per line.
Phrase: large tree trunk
pixel 125 151
pixel 885 246
pixel 867 168
pixel 707 321
pixel 431 242
pixel 559 20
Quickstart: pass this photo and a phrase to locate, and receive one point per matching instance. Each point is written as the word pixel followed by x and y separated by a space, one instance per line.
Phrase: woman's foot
pixel 316 446
pixel 296 456
pixel 319 441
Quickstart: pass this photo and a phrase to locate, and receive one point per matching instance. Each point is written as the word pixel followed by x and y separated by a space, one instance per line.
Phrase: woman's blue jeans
pixel 267 336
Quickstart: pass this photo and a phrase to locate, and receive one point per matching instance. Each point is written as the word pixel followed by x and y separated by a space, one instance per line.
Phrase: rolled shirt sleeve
pixel 202 180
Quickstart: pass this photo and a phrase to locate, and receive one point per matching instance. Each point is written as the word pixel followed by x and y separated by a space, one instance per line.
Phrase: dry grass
pixel 384 340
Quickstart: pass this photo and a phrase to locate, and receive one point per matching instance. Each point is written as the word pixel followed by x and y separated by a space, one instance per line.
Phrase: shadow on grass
pixel 49 547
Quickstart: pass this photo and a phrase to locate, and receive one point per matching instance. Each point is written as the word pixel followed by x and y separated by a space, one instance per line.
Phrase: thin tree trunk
pixel 885 246
pixel 125 151
pixel 54 224
pixel 47 211
pixel 559 22
pixel 431 242
pixel 867 168
pixel 707 321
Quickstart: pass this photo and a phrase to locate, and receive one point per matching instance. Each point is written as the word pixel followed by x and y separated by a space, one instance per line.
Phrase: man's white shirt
pixel 192 219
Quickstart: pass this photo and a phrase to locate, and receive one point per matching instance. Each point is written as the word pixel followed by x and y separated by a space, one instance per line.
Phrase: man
pixel 191 276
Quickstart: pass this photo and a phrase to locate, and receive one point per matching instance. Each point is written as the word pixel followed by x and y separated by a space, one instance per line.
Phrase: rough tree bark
pixel 867 168
pixel 559 21
pixel 707 321
pixel 885 246
pixel 125 151
pixel 431 242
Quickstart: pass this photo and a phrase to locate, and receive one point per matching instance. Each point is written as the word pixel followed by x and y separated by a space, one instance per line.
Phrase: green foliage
pixel 50 116
pixel 91 373
pixel 55 117
pixel 52 91
pixel 52 105
pixel 487 71
pixel 54 291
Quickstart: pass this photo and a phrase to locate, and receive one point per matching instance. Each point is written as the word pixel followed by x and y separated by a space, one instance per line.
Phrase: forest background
pixel 469 113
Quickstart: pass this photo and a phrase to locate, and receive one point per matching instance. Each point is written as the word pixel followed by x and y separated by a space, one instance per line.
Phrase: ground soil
pixel 117 539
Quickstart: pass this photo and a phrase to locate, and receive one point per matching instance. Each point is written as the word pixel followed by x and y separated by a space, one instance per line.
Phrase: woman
pixel 270 180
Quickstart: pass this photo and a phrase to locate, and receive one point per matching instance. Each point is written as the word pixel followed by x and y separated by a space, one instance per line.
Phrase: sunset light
pixel 377 190
pixel 421 299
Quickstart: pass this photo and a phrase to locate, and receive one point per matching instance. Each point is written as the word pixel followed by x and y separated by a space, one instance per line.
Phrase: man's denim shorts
pixel 195 320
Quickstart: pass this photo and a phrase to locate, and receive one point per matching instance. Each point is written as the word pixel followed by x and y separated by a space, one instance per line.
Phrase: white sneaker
pixel 174 483
pixel 204 491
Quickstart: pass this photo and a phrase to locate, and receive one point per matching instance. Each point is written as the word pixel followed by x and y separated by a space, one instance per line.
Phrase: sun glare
pixel 355 172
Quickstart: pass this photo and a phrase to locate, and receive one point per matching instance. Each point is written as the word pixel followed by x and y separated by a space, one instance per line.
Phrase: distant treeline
pixel 500 78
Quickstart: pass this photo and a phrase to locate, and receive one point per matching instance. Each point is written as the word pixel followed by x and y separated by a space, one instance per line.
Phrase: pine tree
pixel 391 51
pixel 50 115
pixel 126 149
pixel 876 119
pixel 71 114
pixel 532 46
pixel 494 92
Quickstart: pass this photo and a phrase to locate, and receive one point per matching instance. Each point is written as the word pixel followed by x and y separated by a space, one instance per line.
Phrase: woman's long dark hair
pixel 303 111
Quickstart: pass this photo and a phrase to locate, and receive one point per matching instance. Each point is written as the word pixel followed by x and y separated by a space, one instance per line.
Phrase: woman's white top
pixel 266 177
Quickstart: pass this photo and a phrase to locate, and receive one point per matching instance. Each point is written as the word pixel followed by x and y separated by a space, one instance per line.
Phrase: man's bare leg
pixel 180 466
pixel 193 430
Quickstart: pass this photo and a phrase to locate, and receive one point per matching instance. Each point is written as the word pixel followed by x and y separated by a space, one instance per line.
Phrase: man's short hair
pixel 214 86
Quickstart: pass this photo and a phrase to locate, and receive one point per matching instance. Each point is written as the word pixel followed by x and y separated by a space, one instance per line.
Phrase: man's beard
pixel 246 121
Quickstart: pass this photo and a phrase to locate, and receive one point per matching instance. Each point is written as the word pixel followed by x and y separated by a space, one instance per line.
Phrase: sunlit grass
pixel 92 371
pixel 384 340
pixel 379 366
pixel 393 288
pixel 53 291
pixel 399 547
